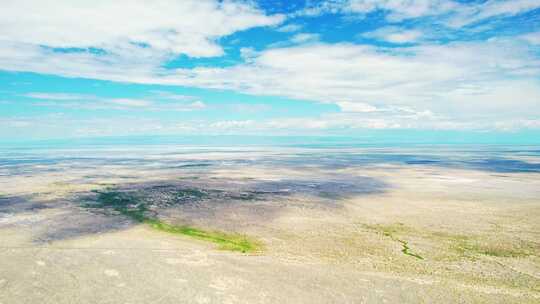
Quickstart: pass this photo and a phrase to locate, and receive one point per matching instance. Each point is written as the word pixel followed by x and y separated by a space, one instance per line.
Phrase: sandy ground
pixel 331 233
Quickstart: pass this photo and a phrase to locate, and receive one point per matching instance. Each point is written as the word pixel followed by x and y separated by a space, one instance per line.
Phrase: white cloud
pixel 149 30
pixel 172 96
pixel 483 80
pixel 130 102
pixel 231 124
pixel 289 28
pixel 304 38
pixel 468 14
pixel 348 123
pixel 197 105
pixel 397 10
pixel 460 79
pixel 394 35
pixel 452 13
pixel 347 106
pixel 57 96
pixel 248 53
pixel 401 9
pixel 161 101
pixel 457 77
pixel 388 113
pixel 532 38
pixel 62 125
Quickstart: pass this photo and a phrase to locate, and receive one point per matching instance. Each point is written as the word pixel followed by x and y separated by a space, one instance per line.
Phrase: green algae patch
pixel 225 241
pixel 134 206
pixel 391 231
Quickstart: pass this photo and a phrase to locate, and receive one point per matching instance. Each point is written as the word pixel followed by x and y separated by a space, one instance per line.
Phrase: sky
pixel 71 69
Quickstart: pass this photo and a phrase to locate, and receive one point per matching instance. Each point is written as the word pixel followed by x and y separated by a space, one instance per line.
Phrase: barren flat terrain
pixel 267 225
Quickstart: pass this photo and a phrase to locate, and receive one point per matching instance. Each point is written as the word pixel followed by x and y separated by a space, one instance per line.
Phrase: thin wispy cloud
pixel 305 38
pixel 452 13
pixel 289 28
pixel 160 101
pixel 58 96
pixel 395 35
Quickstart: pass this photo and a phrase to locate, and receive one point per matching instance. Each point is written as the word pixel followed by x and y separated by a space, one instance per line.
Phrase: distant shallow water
pixel 499 158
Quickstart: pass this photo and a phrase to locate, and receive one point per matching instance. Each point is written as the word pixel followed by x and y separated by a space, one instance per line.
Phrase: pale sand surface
pixel 331 233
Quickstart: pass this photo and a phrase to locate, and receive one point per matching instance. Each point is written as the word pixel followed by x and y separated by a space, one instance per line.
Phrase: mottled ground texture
pixel 264 225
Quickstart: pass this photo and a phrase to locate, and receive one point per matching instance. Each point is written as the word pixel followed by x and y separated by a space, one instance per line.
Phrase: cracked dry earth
pixel 330 232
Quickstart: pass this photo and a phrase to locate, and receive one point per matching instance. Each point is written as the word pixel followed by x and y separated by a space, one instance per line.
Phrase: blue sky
pixel 342 67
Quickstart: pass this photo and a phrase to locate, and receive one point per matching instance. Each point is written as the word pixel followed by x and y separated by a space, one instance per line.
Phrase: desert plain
pixel 269 225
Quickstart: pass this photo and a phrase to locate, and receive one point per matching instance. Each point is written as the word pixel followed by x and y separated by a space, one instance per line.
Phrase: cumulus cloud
pixel 474 80
pixel 448 78
pixel 128 27
pixel 462 78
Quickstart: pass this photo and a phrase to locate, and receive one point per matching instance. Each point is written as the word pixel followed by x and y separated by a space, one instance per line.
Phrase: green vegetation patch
pixel 489 245
pixel 494 248
pixel 469 246
pixel 391 231
pixel 226 241
pixel 136 206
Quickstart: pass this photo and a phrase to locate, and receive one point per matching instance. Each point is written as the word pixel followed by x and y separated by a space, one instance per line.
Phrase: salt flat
pixel 381 225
